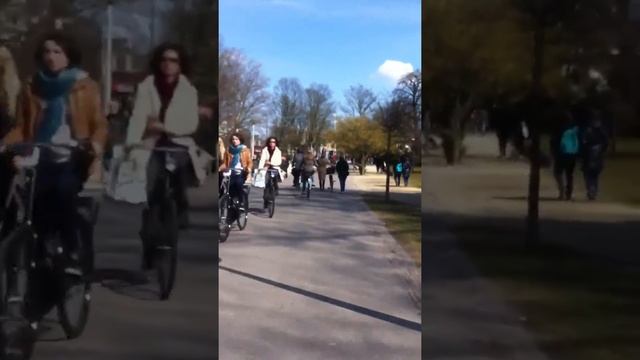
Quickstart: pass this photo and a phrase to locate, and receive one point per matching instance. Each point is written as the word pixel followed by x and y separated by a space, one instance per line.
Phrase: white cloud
pixel 394 70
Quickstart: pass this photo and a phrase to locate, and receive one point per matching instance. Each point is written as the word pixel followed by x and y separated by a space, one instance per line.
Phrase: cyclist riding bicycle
pixel 165 115
pixel 60 105
pixel 271 158
pixel 238 160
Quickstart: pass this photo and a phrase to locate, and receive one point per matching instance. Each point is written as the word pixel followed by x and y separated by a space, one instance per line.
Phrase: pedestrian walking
pixel 298 162
pixel 342 168
pixel 285 166
pixel 406 171
pixel 323 163
pixel 565 146
pixel 397 171
pixel 594 143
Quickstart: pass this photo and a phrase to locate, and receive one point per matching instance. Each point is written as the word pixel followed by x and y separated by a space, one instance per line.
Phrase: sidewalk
pixel 376 183
pixel 314 282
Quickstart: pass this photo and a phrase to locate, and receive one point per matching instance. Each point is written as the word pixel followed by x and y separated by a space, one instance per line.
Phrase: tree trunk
pixel 533 223
pixel 452 140
pixel 387 196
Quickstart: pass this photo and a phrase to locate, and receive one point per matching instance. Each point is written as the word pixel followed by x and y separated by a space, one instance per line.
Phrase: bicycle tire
pixel 73 311
pixel 17 240
pixel 243 216
pixel 17 338
pixel 223 212
pixel 165 255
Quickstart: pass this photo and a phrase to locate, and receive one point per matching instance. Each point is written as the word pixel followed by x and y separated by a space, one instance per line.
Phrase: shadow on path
pixel 411 325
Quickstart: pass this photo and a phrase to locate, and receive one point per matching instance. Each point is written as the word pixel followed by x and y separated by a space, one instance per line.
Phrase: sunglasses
pixel 171 60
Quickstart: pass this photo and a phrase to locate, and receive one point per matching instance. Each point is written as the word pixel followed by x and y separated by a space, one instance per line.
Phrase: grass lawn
pixel 621 173
pixel 402 221
pixel 576 309
pixel 415 180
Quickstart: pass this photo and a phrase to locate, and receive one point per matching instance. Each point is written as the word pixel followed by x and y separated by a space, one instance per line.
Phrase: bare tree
pixel 359 101
pixel 409 93
pixel 242 91
pixel 391 115
pixel 319 108
pixel 288 111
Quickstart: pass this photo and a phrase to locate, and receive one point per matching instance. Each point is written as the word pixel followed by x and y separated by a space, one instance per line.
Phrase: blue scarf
pixel 235 151
pixel 54 91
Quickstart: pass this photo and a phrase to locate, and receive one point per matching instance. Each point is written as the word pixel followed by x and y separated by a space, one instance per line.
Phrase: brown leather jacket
pixel 245 160
pixel 87 118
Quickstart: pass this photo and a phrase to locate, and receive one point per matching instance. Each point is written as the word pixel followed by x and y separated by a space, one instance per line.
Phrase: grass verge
pixel 402 221
pixel 576 308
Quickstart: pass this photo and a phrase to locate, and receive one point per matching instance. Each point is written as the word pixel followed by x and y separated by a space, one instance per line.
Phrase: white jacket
pixel 276 159
pixel 181 119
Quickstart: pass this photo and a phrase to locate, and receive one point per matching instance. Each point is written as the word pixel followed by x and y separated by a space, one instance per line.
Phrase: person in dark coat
pixel 342 168
pixel 594 144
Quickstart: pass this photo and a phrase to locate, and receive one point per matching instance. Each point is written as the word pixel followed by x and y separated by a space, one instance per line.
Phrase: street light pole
pixel 109 56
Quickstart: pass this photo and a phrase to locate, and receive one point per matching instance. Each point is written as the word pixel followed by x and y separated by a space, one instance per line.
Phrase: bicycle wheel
pixel 243 212
pixel 165 255
pixel 223 212
pixel 14 272
pixel 271 205
pixel 75 302
pixel 17 338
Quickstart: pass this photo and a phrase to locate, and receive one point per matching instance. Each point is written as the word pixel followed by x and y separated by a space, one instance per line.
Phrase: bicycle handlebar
pixel 175 149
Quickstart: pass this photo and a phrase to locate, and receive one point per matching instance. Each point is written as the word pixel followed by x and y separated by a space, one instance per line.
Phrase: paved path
pixel 127 321
pixel 314 282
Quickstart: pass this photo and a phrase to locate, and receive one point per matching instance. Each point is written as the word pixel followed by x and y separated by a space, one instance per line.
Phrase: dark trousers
pixel 592 182
pixel 55 202
pixel 503 139
pixel 180 183
pixel 563 169
pixel 296 177
pixel 343 182
pixel 406 179
pixel 397 177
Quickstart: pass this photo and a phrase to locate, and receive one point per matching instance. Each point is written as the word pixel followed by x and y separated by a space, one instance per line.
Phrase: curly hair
pixel 156 58
pixel 68 45
pixel 9 81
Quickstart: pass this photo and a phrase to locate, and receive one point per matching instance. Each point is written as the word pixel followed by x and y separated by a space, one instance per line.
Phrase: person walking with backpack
pixel 565 146
pixel 594 142
pixel 397 172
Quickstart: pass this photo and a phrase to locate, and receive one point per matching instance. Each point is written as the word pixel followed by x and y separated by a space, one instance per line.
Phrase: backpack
pixel 569 143
pixel 398 168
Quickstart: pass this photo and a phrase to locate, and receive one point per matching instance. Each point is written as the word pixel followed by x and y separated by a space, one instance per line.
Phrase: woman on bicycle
pixel 58 104
pixel 238 160
pixel 165 114
pixel 271 158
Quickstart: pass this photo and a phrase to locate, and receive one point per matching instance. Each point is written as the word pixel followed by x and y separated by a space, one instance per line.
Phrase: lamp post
pixel 108 57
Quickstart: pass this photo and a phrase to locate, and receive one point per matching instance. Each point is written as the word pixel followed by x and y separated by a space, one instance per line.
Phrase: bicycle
pixel 270 191
pixel 33 275
pixel 160 226
pixel 226 206
pixel 223 210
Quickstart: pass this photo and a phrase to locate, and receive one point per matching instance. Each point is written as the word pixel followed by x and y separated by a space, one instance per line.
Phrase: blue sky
pixel 338 43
